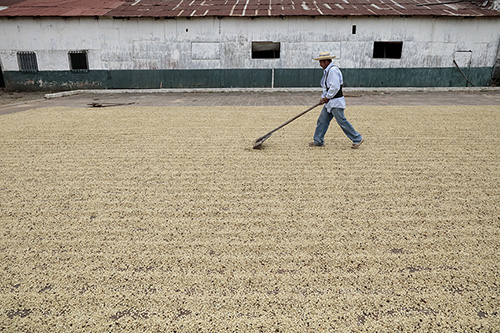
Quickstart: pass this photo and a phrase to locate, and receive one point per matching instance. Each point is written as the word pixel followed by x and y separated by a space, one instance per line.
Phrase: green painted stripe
pixel 288 78
pixel 415 77
pixel 178 78
pixel 242 78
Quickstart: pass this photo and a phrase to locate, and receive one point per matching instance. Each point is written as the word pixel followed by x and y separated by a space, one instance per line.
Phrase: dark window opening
pixel 78 61
pixel 27 62
pixel 388 50
pixel 354 29
pixel 265 50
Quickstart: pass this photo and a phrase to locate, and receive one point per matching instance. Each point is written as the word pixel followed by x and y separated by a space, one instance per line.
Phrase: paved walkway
pixel 486 96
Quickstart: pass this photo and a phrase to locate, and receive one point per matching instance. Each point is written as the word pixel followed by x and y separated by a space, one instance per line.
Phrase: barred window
pixel 78 61
pixel 27 62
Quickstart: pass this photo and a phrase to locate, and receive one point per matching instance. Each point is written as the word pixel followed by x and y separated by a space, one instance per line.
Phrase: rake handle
pixel 288 122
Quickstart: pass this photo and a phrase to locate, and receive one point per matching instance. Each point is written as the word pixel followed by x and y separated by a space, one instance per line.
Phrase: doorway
pixel 2 82
pixel 463 60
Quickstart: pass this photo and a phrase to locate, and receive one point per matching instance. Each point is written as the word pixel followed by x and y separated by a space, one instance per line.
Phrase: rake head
pixel 258 143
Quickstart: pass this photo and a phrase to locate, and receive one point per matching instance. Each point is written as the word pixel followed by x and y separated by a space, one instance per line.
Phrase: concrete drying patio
pixel 163 218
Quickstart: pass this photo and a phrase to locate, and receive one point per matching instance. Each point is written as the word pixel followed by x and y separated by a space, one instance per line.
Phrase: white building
pixel 170 44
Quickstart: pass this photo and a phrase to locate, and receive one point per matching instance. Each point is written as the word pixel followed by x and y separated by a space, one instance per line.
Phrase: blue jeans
pixel 324 121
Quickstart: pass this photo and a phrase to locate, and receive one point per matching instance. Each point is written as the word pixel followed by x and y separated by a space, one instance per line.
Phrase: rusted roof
pixel 66 8
pixel 244 8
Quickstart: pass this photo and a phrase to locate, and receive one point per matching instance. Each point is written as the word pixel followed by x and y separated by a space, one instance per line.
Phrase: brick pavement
pixel 389 96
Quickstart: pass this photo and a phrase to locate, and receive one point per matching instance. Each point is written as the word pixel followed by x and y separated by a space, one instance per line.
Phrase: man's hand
pixel 323 100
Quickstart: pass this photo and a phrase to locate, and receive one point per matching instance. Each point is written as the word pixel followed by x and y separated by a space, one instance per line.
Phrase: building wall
pixel 216 52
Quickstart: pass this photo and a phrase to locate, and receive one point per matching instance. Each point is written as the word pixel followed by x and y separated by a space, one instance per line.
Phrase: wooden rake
pixel 258 143
pixel 103 105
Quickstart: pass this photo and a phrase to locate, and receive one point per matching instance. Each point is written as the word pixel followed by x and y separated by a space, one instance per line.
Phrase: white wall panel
pixel 226 43
pixel 205 51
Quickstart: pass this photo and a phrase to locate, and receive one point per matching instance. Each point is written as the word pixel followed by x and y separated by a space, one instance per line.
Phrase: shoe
pixel 315 144
pixel 356 145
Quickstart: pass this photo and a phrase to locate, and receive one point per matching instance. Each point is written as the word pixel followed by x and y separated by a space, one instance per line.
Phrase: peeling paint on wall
pixel 205 51
pixel 164 44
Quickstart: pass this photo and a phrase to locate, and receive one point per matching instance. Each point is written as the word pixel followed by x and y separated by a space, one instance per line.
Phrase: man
pixel 334 104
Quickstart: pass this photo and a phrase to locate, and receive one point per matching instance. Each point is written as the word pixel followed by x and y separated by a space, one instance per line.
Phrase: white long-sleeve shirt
pixel 331 82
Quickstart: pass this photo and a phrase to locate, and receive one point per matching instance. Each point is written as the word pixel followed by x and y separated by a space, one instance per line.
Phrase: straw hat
pixel 324 56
